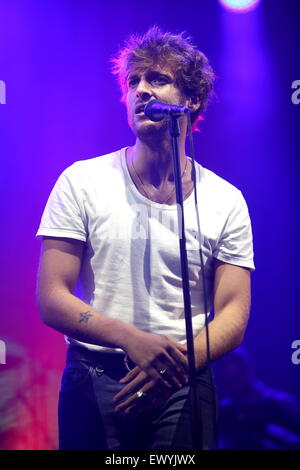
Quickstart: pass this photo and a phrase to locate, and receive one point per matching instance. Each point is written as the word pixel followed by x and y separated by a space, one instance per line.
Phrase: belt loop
pixel 126 362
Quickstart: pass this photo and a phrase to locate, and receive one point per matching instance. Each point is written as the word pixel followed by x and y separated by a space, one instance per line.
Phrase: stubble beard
pixel 151 132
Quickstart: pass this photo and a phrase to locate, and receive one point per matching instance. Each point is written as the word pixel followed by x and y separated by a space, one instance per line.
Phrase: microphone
pixel 156 111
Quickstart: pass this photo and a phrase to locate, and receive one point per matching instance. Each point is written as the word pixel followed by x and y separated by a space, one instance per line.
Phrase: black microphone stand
pixel 195 412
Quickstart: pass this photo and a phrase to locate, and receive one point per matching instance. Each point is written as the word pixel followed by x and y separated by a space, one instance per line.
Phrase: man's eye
pixel 159 81
pixel 132 82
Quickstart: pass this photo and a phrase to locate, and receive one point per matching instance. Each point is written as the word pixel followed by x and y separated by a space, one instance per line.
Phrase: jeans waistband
pixel 106 359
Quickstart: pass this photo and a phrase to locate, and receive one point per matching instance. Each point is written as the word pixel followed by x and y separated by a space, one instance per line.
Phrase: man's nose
pixel 144 90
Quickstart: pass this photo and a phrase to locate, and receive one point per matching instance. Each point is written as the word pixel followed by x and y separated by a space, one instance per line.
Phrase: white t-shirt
pixel 131 266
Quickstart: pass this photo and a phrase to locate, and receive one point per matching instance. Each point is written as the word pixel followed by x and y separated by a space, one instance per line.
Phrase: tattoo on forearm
pixel 85 316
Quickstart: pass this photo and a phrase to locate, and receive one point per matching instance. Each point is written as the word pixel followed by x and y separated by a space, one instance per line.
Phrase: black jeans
pixel 87 419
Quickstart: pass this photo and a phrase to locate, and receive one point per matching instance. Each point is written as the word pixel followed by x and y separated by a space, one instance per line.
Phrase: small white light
pixel 239 6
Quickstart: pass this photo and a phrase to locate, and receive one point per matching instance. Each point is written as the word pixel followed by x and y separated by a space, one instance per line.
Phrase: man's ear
pixel 193 103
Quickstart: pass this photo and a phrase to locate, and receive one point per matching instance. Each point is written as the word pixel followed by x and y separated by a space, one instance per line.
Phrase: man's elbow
pixel 44 310
pixel 47 303
pixel 239 335
pixel 238 340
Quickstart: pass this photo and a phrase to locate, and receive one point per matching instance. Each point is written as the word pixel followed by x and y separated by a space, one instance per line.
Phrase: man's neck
pixel 154 162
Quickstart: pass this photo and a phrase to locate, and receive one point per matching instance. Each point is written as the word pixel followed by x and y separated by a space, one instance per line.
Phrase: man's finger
pixel 133 400
pixel 130 375
pixel 132 387
pixel 180 360
pixel 123 405
pixel 175 364
pixel 169 377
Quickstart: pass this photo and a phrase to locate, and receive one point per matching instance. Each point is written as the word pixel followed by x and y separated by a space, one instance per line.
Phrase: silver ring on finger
pixel 141 394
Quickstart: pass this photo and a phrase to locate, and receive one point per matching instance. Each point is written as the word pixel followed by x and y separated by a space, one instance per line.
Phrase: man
pixel 110 277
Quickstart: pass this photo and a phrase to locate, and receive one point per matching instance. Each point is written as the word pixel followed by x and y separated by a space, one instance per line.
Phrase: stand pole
pixel 194 408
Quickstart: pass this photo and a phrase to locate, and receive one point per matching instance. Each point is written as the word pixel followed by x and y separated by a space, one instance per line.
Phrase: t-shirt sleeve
pixel 235 244
pixel 64 214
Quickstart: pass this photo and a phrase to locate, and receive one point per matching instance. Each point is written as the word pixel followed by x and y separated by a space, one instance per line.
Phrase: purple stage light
pixel 239 6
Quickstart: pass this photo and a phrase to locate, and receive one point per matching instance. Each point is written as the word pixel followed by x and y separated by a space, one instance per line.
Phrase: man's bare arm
pixel 232 307
pixel 58 273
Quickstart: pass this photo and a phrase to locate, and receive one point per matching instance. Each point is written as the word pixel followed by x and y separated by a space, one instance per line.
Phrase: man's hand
pixel 162 370
pixel 141 392
pixel 159 357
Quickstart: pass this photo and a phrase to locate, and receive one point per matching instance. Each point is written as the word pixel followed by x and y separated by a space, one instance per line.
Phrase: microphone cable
pixel 204 284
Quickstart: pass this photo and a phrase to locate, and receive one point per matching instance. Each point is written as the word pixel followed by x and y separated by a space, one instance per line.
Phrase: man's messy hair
pixel 193 74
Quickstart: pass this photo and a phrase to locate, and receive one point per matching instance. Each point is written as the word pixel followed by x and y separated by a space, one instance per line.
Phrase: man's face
pixel 144 85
